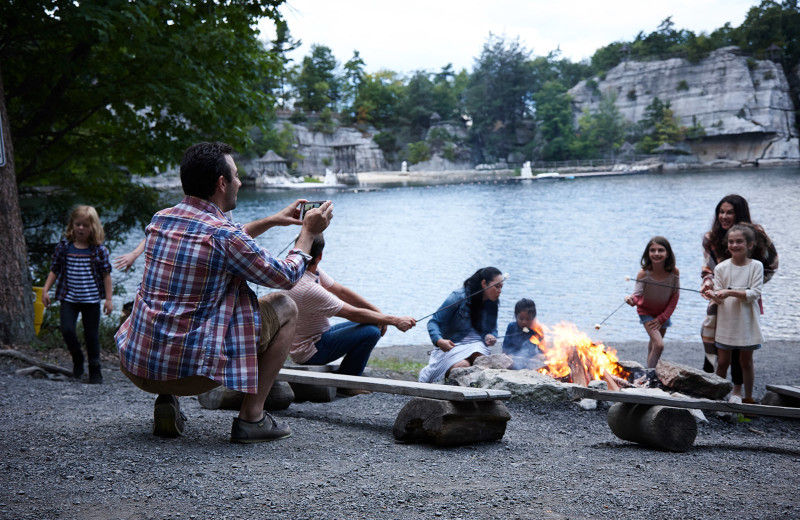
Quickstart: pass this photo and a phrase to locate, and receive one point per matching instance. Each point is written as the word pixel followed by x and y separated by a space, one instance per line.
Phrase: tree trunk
pixel 661 427
pixel 16 300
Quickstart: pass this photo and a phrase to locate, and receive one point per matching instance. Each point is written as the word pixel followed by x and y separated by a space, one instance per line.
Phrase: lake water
pixel 567 244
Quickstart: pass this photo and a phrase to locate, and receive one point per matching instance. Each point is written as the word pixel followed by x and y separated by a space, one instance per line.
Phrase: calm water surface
pixel 567 244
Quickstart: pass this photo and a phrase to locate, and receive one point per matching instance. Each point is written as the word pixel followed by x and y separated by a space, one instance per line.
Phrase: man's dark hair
pixel 317 245
pixel 201 166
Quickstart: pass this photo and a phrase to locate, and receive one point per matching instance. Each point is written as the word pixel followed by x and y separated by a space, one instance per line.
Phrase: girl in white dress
pixel 737 288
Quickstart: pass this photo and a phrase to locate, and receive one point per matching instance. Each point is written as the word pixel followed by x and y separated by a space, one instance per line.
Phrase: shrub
pixel 632 94
pixel 769 75
pixel 418 152
pixel 682 85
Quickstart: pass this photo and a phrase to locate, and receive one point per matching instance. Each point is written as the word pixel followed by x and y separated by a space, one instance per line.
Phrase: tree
pixel 416 105
pixel 353 77
pixel 16 308
pixel 96 91
pixel 554 121
pixel 317 84
pixel 600 132
pixel 498 98
pixel 377 99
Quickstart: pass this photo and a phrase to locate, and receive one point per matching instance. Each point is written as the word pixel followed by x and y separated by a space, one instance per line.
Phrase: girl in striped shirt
pixel 83 270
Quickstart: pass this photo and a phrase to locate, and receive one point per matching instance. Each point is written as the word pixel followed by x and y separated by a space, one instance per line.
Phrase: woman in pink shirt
pixel 656 294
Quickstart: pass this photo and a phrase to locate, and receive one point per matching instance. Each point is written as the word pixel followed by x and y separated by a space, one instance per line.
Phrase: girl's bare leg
pixel 656 345
pixel 723 362
pixel 748 373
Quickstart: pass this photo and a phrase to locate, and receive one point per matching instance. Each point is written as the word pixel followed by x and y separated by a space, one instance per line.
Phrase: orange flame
pixel 566 349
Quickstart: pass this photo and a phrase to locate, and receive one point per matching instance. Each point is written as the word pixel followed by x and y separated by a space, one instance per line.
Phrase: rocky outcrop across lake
pixel 743 104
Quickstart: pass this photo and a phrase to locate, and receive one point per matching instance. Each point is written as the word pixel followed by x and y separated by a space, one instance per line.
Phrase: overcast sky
pixel 409 35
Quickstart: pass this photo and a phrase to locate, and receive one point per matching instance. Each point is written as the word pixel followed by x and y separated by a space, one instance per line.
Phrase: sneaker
pixel 266 429
pixel 95 375
pixel 735 399
pixel 168 420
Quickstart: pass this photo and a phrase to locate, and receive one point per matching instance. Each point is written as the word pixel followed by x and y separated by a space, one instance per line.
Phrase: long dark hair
pixel 669 262
pixel 472 286
pixel 741 212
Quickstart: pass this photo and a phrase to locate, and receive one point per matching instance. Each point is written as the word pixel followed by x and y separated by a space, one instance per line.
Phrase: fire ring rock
pixel 692 381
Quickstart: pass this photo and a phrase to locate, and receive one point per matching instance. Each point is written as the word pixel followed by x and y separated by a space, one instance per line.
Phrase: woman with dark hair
pixel 465 326
pixel 731 210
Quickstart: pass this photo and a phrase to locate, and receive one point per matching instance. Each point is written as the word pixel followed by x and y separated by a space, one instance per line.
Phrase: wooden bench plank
pixel 392 386
pixel 791 391
pixel 700 404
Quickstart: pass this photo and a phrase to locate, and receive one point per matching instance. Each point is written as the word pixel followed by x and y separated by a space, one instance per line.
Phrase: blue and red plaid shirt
pixel 193 313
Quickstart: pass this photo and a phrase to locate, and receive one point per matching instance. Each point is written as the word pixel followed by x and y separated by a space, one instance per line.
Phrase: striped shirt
pixel 315 304
pixel 99 265
pixel 80 283
pixel 193 313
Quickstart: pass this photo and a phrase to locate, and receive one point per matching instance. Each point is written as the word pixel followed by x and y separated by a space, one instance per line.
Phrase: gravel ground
pixel 73 450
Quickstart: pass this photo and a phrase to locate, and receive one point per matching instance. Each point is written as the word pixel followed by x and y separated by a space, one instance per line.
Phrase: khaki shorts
pixel 194 385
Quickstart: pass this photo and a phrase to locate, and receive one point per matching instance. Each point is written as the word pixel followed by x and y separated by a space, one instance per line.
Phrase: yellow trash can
pixel 38 309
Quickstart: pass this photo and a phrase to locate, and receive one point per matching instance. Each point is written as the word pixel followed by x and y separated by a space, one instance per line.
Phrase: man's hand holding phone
pixel 316 216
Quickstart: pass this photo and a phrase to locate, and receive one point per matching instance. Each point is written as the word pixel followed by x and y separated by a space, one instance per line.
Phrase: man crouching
pixel 195 323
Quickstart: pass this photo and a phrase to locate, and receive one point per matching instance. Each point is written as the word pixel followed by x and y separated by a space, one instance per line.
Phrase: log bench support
pixel 660 427
pixel 451 423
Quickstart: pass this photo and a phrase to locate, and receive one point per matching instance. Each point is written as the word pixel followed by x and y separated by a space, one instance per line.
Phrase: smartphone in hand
pixel 309 206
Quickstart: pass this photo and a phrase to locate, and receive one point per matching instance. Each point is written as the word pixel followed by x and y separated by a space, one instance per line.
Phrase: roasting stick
pixel 505 277
pixel 628 279
pixel 598 325
pixel 287 246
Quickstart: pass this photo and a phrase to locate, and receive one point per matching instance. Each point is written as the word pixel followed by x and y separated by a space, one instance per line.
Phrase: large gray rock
pixel 743 104
pixel 316 147
pixel 689 380
pixel 524 385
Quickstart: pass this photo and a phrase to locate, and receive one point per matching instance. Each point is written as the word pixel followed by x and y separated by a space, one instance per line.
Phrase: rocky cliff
pixel 346 149
pixel 743 104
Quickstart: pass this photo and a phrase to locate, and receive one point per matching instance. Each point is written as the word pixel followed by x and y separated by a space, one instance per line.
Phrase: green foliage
pixel 696 131
pixel 606 58
pixel 378 98
pixel 449 152
pixel 682 85
pixel 96 91
pixel 632 94
pixel 498 98
pixel 418 152
pixel 768 75
pixel 600 132
pixel 386 141
pixel 317 84
pixel 554 118
pixel 325 123
pixel 659 126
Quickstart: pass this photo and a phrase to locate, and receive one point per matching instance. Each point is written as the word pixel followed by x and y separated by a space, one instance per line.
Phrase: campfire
pixel 570 356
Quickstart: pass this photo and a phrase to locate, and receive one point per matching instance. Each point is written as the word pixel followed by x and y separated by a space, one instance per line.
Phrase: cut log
pixel 789 391
pixel 660 427
pixel 451 423
pixel 313 393
pixel 576 369
pixel 280 398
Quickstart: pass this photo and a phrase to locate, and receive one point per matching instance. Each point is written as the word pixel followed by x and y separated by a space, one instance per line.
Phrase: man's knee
pixel 284 306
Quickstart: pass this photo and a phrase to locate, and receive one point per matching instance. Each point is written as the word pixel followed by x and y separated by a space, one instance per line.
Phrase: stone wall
pixel 743 104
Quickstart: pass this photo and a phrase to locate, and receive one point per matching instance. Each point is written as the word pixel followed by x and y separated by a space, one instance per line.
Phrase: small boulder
pixel 692 381
pixel 501 361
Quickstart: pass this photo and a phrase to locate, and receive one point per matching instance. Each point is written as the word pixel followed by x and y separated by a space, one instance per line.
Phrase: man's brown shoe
pixel 266 429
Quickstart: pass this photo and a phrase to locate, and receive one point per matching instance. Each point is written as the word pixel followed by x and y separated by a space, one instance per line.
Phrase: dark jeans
pixel 354 341
pixel 90 313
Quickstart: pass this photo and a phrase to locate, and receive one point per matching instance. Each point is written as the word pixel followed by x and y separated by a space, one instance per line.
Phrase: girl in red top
pixel 656 294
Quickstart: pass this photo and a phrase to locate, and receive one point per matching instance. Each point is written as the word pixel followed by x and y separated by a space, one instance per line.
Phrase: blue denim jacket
pixel 454 323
